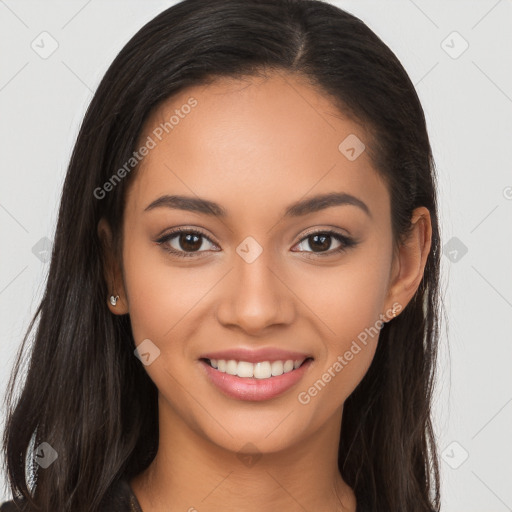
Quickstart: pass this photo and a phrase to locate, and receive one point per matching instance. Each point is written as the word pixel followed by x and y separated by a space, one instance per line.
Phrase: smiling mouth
pixel 259 370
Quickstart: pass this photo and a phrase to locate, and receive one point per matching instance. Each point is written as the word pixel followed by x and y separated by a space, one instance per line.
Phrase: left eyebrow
pixel 322 201
pixel 297 209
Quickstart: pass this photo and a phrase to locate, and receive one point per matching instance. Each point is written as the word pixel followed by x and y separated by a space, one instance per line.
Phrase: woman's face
pixel 257 277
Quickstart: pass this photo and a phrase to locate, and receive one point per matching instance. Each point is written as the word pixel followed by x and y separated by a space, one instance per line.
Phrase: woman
pixel 242 309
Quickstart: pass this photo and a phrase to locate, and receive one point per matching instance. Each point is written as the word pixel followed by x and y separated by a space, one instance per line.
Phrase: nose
pixel 256 296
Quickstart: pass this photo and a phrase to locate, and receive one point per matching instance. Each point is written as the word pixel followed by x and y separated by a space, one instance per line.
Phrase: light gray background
pixel 468 105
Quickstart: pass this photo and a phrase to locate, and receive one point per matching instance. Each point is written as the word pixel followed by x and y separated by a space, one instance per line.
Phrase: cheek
pixel 347 353
pixel 348 308
pixel 161 294
pixel 347 298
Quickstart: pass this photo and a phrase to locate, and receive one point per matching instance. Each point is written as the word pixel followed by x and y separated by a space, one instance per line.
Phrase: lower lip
pixel 245 388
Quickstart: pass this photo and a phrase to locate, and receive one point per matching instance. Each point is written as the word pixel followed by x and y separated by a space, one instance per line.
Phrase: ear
pixel 112 270
pixel 409 261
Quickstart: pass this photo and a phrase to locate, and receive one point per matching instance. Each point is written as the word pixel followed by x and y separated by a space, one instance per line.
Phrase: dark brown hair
pixel 87 395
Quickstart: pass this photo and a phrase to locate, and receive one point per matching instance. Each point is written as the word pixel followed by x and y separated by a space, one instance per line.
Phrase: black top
pixel 120 498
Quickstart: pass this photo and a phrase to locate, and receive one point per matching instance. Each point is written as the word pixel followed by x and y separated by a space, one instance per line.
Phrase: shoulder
pixel 120 498
pixel 9 506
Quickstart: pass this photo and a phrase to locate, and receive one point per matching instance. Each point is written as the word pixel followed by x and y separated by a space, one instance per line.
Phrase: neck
pixel 190 473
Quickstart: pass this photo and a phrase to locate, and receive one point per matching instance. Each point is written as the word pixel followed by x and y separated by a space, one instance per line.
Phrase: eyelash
pixel 346 242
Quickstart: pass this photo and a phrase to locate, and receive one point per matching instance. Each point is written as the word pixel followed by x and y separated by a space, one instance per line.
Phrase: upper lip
pixel 255 356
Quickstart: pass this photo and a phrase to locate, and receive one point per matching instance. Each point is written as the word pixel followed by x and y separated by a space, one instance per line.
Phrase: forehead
pixel 250 143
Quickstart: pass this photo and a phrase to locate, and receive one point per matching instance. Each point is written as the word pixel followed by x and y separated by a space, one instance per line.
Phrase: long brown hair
pixel 87 395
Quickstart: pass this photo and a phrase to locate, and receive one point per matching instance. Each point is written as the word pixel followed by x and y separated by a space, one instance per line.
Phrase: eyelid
pixel 167 235
pixel 347 241
pixel 327 229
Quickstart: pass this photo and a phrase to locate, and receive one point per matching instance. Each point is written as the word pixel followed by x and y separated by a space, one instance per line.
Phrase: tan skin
pixel 256 146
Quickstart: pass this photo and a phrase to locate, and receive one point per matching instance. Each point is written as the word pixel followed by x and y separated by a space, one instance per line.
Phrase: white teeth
pixel 277 368
pixel 288 366
pixel 231 367
pixel 260 370
pixel 245 369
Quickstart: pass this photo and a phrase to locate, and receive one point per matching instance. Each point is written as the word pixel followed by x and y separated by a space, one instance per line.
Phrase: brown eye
pixel 185 242
pixel 321 241
pixel 189 241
